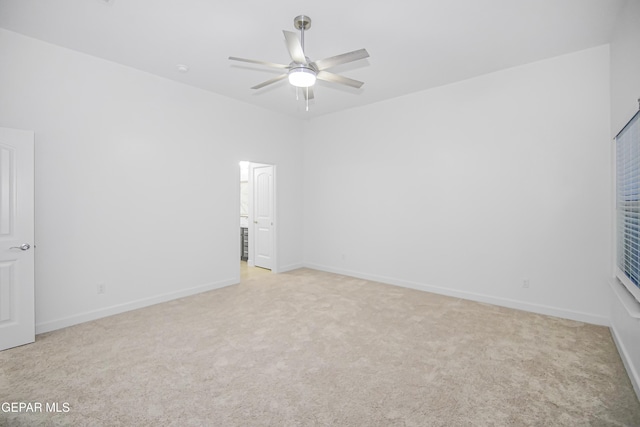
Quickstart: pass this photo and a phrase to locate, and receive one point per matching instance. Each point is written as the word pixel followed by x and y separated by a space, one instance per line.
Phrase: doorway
pixel 257 218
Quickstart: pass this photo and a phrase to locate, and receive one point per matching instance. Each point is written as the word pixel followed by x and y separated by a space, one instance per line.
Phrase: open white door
pixel 17 318
pixel 263 209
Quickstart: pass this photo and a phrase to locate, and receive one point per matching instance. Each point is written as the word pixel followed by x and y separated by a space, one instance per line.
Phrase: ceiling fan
pixel 302 72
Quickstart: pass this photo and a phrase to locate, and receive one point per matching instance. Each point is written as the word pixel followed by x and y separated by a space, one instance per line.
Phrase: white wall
pixel 137 180
pixel 470 188
pixel 625 91
pixel 625 66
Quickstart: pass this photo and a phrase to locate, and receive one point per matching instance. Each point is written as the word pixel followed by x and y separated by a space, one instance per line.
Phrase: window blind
pixel 628 205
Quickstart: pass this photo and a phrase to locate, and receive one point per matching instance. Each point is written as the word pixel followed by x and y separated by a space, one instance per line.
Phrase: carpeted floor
pixel 308 348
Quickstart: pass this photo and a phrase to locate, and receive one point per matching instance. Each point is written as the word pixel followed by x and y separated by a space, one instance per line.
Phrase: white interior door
pixel 263 216
pixel 17 317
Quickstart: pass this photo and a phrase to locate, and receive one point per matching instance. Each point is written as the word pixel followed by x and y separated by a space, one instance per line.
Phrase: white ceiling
pixel 414 44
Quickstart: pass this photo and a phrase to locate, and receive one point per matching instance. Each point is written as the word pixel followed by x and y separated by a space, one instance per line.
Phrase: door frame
pixel 274 228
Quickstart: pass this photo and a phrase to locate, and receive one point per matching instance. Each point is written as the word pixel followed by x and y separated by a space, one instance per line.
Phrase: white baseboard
pixel 625 324
pixel 75 319
pixel 289 267
pixel 503 302
pixel 626 360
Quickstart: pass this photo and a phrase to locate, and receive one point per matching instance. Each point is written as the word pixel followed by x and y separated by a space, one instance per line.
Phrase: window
pixel 628 206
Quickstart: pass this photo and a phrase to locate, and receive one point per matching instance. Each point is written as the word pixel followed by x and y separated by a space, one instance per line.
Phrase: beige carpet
pixel 308 348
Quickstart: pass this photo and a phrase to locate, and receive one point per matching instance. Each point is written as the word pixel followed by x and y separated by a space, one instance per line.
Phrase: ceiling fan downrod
pixel 302 23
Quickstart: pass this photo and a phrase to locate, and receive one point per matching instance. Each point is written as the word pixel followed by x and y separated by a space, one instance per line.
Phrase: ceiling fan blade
pixel 308 93
pixel 323 64
pixel 270 81
pixel 336 78
pixel 294 47
pixel 254 61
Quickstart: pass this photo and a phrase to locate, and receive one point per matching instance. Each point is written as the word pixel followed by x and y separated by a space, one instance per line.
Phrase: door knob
pixel 23 247
pixel 255 222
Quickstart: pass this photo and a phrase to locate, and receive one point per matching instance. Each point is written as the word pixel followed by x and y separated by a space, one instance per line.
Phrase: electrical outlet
pixel 102 288
pixel 525 283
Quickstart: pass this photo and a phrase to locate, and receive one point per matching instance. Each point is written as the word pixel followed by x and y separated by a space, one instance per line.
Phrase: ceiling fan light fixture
pixel 302 77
